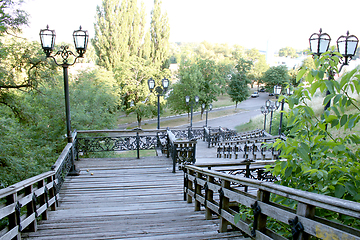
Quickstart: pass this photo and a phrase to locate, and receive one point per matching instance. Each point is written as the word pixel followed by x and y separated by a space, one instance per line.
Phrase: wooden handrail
pixel 198 179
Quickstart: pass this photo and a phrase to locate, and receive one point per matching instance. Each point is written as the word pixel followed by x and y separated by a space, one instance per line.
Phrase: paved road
pixel 251 107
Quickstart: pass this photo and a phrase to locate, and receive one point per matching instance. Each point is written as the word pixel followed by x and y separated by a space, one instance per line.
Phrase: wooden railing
pixel 23 203
pixel 182 151
pixel 219 193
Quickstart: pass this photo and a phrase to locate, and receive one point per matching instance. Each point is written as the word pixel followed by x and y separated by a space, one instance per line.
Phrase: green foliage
pixel 238 87
pixel 288 52
pixel 205 78
pixel 276 76
pixel 160 33
pixel 317 161
pixel 21 69
pixel 12 18
pixel 120 32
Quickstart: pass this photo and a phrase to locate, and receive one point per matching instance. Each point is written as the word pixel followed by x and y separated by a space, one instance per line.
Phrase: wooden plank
pixel 140 200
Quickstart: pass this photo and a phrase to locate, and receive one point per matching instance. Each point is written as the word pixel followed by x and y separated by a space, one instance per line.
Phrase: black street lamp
pixel 81 38
pixel 187 100
pixel 203 106
pixel 160 91
pixel 347 45
pixel 289 92
pixel 272 107
pixel 265 111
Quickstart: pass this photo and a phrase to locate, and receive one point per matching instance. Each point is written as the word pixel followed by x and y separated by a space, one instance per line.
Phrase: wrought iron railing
pixel 121 140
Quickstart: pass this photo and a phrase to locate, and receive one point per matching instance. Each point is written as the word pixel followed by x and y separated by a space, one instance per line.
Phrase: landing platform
pixel 127 199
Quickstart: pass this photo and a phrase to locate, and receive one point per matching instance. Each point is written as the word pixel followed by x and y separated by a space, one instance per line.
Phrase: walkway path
pixel 127 199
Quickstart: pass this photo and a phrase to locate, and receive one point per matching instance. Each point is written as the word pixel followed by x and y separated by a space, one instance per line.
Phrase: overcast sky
pixel 257 24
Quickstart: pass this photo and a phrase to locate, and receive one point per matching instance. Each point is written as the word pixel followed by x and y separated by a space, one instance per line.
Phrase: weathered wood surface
pixel 124 199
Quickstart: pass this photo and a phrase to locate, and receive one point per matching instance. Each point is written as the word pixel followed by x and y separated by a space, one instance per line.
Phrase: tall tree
pixel 160 33
pixel 119 32
pixel 12 18
pixel 276 76
pixel 238 87
pixel 288 52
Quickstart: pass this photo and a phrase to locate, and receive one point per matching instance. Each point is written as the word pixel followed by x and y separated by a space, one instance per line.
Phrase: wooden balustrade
pixel 23 202
pixel 220 195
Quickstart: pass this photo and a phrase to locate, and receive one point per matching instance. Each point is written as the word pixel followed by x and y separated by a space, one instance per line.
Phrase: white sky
pixel 257 24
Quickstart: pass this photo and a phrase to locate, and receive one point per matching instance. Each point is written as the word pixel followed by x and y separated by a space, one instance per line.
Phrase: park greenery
pixel 125 52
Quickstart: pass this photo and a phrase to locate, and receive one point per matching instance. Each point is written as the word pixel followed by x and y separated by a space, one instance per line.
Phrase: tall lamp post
pixel 265 111
pixel 187 100
pixel 160 91
pixel 81 38
pixel 203 106
pixel 272 107
pixel 289 92
pixel 346 45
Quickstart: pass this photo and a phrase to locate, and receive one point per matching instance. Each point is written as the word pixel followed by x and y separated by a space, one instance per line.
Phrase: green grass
pixel 223 101
pixel 123 154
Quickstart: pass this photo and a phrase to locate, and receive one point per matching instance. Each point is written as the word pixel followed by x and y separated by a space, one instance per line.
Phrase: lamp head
pixel 319 42
pixel 151 84
pixel 347 46
pixel 47 39
pixel 81 38
pixel 165 83
pixel 196 99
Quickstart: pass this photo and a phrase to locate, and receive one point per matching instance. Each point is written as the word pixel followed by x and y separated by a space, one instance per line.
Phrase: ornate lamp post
pixel 203 106
pixel 347 45
pixel 265 111
pixel 272 107
pixel 289 92
pixel 160 91
pixel 81 38
pixel 187 100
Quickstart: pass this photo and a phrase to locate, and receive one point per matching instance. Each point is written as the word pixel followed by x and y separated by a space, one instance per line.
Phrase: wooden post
pixel 307 211
pixel 190 187
pixel 31 208
pixel 42 199
pixel 224 207
pixel 209 197
pixel 12 198
pixel 198 192
pixel 52 192
pixel 264 197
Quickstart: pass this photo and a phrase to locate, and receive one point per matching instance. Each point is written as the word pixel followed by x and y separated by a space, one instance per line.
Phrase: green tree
pixel 288 52
pixel 160 33
pixel 259 65
pixel 238 87
pixel 134 92
pixel 119 32
pixel 276 76
pixel 188 85
pixel 21 69
pixel 12 18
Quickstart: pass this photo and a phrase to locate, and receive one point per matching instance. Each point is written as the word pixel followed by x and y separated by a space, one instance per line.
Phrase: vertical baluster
pixel 224 206
pixel 209 197
pixel 31 208
pixel 13 222
pixel 42 199
pixel 190 187
pixel 198 192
